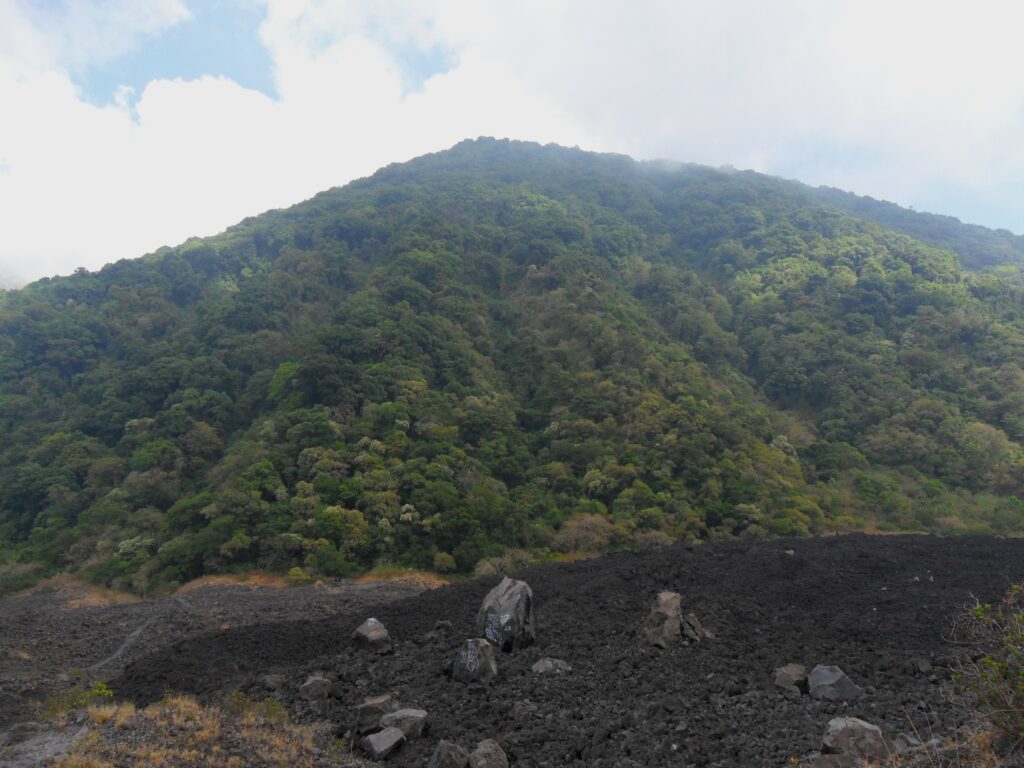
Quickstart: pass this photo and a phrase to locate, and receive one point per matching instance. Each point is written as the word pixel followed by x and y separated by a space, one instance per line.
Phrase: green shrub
pixel 994 678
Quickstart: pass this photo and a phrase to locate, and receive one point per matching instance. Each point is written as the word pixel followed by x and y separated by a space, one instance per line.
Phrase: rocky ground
pixel 64 633
pixel 880 608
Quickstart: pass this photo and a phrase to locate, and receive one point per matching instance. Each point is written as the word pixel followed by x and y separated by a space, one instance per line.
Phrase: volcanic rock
pixel 488 755
pixel 505 618
pixel 475 662
pixel 315 688
pixel 369 713
pixel 381 744
pixel 693 630
pixel 662 625
pixel 831 683
pixel 411 722
pixel 448 755
pixel 548 665
pixel 856 738
pixel 373 636
pixel 792 677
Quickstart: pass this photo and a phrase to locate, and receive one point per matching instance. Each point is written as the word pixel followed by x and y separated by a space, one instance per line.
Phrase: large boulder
pixel 792 677
pixel 505 618
pixel 381 744
pixel 832 684
pixel 661 628
pixel 854 737
pixel 475 662
pixel 373 636
pixel 488 755
pixel 411 722
pixel 369 713
pixel 448 755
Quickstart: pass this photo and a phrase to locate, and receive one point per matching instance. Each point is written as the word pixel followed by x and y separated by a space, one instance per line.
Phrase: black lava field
pixel 879 607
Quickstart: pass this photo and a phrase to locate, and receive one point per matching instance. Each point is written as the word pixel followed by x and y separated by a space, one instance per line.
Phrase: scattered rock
pixel 373 636
pixel 488 755
pixel 662 626
pixel 506 616
pixel 315 688
pixel 693 630
pixel 448 755
pixel 548 665
pixel 854 737
pixel 381 744
pixel 792 677
pixel 369 713
pixel 411 722
pixel 273 682
pixel 475 662
pixel 905 742
pixel 832 684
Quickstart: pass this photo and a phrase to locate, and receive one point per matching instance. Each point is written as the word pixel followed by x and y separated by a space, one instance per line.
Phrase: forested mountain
pixel 507 346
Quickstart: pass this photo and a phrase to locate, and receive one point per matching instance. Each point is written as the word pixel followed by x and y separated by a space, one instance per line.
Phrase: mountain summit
pixel 506 346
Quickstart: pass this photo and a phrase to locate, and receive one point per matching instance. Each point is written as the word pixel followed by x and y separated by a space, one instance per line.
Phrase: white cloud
pixel 914 101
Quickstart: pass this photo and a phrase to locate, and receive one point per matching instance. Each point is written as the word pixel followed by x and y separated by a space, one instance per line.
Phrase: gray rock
pixel 488 755
pixel 29 745
pixel 448 755
pixel 661 628
pixel 693 630
pixel 273 682
pixel 373 636
pixel 854 737
pixel 475 662
pixel 832 684
pixel 411 722
pixel 792 677
pixel 905 742
pixel 548 665
pixel 369 713
pixel 383 743
pixel 315 688
pixel 505 618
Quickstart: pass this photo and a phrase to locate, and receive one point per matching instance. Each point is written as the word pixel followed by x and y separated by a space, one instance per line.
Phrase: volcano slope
pixel 878 607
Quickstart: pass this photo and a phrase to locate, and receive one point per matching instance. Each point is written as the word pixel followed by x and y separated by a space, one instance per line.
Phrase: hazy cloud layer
pixel 918 102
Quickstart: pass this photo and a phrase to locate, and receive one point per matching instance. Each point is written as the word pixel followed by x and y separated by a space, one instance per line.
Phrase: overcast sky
pixel 130 124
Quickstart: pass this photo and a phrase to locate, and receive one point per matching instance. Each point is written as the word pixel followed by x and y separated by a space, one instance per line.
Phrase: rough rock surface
pixel 711 704
pixel 488 754
pixel 373 636
pixel 475 662
pixel 662 626
pixel 369 713
pixel 411 722
pixel 547 665
pixel 380 745
pixel 792 677
pixel 854 737
pixel 448 755
pixel 831 683
pixel 505 618
pixel 315 688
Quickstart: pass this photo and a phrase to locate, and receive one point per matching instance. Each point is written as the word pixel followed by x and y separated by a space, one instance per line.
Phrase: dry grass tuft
pixel 180 732
pixel 251 579
pixel 77 593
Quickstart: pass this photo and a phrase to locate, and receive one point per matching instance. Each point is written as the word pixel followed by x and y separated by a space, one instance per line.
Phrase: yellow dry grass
pixel 77 593
pixel 250 579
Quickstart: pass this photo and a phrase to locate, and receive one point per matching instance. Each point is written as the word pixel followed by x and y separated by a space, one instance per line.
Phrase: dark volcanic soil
pixel 875 606
pixel 47 643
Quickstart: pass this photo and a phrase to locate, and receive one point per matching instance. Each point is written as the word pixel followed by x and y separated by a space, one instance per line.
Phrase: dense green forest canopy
pixel 508 346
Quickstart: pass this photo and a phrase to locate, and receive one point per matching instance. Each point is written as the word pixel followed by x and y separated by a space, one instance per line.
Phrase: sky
pixel 126 125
